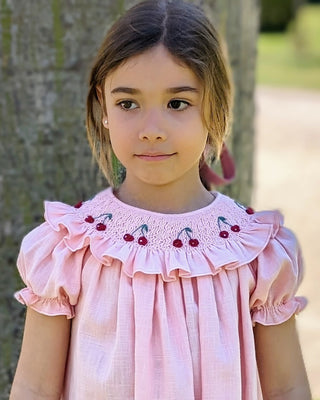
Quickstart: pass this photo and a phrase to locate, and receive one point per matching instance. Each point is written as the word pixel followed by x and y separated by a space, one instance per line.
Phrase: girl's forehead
pixel 154 67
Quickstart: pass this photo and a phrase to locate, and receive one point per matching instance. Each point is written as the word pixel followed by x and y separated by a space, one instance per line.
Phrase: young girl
pixel 174 292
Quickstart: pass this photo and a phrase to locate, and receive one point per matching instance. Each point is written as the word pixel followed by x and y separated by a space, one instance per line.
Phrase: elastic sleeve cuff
pixel 277 314
pixel 50 307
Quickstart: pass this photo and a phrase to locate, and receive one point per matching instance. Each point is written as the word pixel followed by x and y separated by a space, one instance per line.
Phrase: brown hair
pixel 189 36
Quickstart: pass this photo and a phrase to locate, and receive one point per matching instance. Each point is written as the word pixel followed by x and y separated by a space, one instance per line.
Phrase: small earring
pixel 105 122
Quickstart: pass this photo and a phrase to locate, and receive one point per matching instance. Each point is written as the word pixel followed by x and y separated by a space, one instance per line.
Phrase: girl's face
pixel 154 117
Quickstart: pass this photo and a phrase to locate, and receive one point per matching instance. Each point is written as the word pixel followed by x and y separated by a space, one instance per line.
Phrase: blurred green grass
pixel 292 58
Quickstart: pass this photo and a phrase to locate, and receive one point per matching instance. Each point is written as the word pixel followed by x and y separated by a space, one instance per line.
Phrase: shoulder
pixel 62 226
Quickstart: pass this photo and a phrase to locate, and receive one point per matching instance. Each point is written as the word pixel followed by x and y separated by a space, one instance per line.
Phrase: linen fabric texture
pixel 162 305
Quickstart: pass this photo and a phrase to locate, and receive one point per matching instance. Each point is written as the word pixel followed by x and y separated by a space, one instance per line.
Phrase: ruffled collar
pixel 223 234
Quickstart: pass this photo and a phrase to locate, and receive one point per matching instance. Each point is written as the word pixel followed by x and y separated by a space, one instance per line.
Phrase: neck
pixel 168 199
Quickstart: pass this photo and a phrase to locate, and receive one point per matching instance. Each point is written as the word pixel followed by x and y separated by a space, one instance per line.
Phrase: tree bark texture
pixel 46 49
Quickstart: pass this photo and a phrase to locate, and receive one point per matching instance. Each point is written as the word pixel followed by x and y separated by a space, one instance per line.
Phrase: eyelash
pixel 130 103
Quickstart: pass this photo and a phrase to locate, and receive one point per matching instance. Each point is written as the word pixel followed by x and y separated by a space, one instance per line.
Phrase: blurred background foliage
pixel 289 45
pixel 276 15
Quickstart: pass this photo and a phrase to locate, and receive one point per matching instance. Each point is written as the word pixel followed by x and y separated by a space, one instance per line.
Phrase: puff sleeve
pixel 278 272
pixel 50 271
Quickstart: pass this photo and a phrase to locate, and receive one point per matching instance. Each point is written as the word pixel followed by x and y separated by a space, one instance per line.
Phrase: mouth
pixel 154 156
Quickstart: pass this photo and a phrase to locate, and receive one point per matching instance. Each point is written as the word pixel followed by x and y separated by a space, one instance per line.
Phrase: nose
pixel 153 127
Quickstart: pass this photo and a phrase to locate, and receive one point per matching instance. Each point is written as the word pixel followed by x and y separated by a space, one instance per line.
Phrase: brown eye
pixel 178 105
pixel 127 105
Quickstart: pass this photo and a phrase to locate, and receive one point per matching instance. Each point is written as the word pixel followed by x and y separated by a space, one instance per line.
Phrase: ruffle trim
pixel 277 314
pixel 226 254
pixel 50 307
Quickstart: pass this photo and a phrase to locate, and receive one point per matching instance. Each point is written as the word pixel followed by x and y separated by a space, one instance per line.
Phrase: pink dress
pixel 163 305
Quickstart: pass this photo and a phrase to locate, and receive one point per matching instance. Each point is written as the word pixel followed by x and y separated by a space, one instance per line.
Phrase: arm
pixel 41 366
pixel 281 368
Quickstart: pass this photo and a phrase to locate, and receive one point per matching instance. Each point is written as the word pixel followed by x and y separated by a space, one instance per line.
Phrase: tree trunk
pixel 46 48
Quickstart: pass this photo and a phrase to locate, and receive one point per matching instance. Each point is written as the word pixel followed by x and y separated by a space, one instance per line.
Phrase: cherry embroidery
pixel 235 228
pixel 142 240
pixel 101 226
pixel 248 210
pixel 223 233
pixel 192 241
pixel 128 238
pixel 177 243
pixel 90 219
pixel 78 205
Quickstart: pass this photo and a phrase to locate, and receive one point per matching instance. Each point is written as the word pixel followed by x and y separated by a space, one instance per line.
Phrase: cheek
pixel 197 137
pixel 117 142
pixel 120 122
pixel 120 144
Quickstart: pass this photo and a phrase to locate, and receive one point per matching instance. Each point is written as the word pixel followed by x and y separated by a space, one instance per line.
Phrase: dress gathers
pixel 162 305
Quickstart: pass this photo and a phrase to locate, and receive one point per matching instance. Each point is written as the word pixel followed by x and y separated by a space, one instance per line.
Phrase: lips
pixel 154 156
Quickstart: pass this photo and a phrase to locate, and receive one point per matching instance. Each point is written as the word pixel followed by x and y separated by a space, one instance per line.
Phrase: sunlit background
pixel 288 144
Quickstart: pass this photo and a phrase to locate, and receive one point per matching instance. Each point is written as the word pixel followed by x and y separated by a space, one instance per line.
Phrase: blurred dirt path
pixel 288 178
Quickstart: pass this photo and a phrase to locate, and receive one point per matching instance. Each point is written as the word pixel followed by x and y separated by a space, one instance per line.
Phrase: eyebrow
pixel 173 90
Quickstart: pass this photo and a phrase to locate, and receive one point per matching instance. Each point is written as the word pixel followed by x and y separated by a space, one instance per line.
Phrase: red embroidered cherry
pixel 224 234
pixel 194 242
pixel 235 228
pixel 128 238
pixel 78 205
pixel 177 243
pixel 248 210
pixel 142 240
pixel 90 219
pixel 101 227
